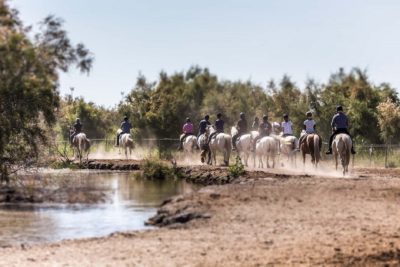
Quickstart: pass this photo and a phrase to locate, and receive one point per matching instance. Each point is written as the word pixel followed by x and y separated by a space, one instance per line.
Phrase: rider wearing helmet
pixel 339 124
pixel 203 125
pixel 264 129
pixel 126 127
pixel 219 127
pixel 287 126
pixel 187 129
pixel 309 126
pixel 241 127
pixel 77 128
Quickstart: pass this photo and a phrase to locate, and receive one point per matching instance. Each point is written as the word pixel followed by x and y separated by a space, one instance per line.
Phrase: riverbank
pixel 258 220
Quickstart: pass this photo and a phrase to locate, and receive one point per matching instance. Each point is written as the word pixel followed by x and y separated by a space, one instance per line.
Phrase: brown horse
pixel 311 144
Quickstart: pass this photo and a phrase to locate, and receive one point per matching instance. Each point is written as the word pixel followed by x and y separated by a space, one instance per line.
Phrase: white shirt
pixel 287 127
pixel 310 126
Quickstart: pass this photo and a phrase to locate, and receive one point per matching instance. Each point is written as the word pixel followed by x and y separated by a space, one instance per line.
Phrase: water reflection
pixel 132 201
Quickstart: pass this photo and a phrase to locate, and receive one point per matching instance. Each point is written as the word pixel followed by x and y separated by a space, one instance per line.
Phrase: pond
pixel 130 203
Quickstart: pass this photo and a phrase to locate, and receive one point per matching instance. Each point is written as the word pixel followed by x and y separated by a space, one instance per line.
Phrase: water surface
pixel 131 202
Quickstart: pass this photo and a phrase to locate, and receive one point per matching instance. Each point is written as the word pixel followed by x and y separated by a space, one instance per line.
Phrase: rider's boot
pixel 353 151
pixel 329 151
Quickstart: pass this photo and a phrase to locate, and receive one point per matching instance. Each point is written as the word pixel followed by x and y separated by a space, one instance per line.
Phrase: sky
pixel 254 40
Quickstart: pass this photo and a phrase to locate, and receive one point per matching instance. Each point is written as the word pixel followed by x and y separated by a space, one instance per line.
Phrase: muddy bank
pixel 264 219
pixel 41 195
pixel 113 165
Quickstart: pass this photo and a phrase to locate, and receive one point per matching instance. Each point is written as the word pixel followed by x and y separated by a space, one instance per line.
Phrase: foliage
pixel 98 122
pixel 236 169
pixel 29 69
pixel 159 108
pixel 389 120
pixel 155 169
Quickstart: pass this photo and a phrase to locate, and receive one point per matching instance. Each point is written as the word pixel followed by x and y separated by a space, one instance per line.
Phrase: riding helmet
pixel 339 108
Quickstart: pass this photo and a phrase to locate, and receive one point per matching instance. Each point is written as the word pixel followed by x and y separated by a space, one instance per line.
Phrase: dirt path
pixel 262 220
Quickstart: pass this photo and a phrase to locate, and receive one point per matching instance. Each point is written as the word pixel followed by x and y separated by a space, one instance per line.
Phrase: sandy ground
pixel 262 220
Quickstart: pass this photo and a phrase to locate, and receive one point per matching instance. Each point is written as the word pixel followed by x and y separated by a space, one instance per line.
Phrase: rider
pixel 309 126
pixel 264 129
pixel 126 127
pixel 241 128
pixel 77 129
pixel 287 126
pixel 339 124
pixel 203 125
pixel 219 127
pixel 187 129
pixel 255 124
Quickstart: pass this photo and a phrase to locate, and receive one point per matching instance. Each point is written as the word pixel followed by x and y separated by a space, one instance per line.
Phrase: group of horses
pixel 81 144
pixel 268 148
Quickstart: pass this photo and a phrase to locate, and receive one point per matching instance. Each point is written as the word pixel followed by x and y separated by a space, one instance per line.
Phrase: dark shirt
pixel 203 126
pixel 219 125
pixel 340 121
pixel 78 127
pixel 242 126
pixel 126 127
pixel 264 129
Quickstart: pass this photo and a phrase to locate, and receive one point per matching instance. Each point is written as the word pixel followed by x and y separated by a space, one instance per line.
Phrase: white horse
pixel 341 147
pixel 288 146
pixel 266 147
pixel 81 144
pixel 189 144
pixel 202 143
pixel 126 142
pixel 244 144
pixel 221 142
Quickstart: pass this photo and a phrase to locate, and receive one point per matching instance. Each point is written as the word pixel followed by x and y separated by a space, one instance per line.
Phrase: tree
pixel 29 94
pixel 389 120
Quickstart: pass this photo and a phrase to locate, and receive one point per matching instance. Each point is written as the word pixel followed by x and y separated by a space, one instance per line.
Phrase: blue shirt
pixel 126 127
pixel 219 125
pixel 203 126
pixel 340 121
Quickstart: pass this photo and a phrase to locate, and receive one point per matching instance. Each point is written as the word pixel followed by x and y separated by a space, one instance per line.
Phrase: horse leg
pixel 336 161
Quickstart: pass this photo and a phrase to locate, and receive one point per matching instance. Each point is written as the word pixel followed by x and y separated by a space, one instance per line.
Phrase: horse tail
pixel 316 148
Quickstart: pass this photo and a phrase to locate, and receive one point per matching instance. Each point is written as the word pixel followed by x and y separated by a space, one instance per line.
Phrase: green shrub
pixel 157 170
pixel 237 169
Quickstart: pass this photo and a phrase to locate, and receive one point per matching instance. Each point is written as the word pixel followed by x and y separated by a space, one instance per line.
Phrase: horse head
pixel 234 131
pixel 209 130
pixel 276 128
